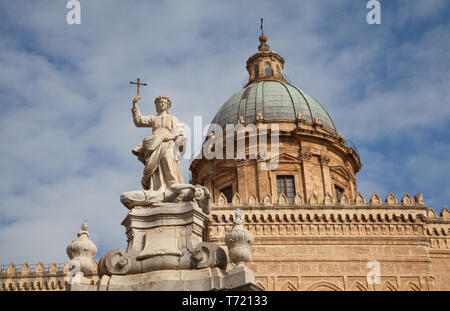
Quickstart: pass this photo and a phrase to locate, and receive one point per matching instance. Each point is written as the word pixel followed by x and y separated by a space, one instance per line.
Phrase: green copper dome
pixel 274 101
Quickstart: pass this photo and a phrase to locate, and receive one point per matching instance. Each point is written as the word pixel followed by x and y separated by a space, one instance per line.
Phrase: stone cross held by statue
pixel 138 83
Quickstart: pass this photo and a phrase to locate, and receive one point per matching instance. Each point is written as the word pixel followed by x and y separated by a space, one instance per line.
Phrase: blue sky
pixel 65 123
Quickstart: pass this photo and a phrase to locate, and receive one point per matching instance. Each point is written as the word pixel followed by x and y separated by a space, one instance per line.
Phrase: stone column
pixel 242 179
pixel 306 172
pixel 263 176
pixel 326 177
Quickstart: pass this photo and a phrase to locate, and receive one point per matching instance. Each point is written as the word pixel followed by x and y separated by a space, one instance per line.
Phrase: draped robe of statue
pixel 159 157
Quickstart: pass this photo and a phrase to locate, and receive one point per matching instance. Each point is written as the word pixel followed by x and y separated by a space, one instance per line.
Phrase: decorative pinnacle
pixel 238 222
pixel 263 38
pixel 238 241
pixel 238 213
pixel 84 225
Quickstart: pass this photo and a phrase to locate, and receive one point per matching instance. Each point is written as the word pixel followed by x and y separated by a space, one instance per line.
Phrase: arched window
pixel 267 70
pixel 256 70
pixel 278 71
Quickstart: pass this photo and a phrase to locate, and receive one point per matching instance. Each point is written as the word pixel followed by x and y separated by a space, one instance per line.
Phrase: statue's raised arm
pixel 138 119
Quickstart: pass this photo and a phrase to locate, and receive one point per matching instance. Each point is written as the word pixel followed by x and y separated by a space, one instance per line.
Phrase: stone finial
pixel 313 199
pixel 238 241
pixel 53 269
pixel 431 213
pixel 82 250
pixel 263 47
pixel 267 200
pixel 282 199
pixel 360 199
pixel 66 267
pixel 11 270
pixel 236 200
pixel 407 199
pixel 222 200
pixel 344 200
pixel 445 213
pixel 25 270
pixel 418 198
pixel 252 200
pixel 84 225
pixel 328 200
pixel 298 199
pixel 238 214
pixel 40 268
pixel 391 199
pixel 375 199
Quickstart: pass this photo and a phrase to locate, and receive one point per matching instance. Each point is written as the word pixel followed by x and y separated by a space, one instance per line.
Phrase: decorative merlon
pixel 252 200
pixel 298 200
pixel 391 199
pixel 328 216
pixel 222 199
pixel 360 199
pixel 344 200
pixel 418 198
pixel 267 200
pixel 431 213
pixel 313 199
pixel 236 199
pixel 282 199
pixel 27 270
pixel 406 199
pixel 375 199
pixel 328 200
pixel 445 213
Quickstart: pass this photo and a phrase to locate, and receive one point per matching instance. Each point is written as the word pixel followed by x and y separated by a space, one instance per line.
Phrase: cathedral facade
pixel 312 229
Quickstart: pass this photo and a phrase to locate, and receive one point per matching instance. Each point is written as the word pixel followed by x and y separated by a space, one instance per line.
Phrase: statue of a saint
pixel 160 151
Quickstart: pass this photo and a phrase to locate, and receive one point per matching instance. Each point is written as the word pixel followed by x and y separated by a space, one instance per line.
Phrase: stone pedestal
pixel 166 252
pixel 160 237
pixel 180 280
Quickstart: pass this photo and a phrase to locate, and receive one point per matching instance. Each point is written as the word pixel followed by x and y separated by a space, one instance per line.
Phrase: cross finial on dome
pixel 263 47
pixel 262 28
pixel 264 64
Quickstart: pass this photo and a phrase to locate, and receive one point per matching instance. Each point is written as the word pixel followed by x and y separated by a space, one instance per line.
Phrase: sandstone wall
pixel 336 247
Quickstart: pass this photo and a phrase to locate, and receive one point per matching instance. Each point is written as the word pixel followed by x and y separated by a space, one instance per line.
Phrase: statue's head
pixel 162 103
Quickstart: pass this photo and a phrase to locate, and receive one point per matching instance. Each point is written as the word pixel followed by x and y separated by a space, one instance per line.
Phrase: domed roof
pixel 275 101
